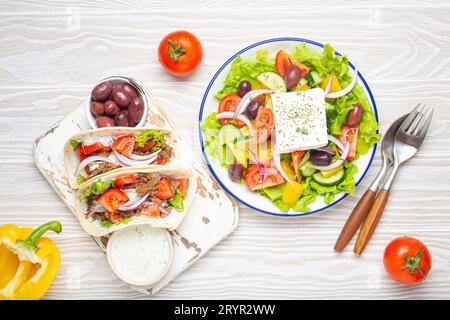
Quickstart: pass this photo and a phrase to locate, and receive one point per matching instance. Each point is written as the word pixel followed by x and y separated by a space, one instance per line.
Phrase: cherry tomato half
pixel 283 59
pixel 183 185
pixel 230 103
pixel 265 123
pixel 253 177
pixel 91 148
pixel 350 135
pixel 180 53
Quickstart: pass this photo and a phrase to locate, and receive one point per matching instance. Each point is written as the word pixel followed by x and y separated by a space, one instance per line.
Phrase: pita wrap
pixel 95 221
pixel 108 161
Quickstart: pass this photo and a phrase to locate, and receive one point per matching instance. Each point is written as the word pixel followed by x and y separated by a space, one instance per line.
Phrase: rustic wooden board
pixel 48 63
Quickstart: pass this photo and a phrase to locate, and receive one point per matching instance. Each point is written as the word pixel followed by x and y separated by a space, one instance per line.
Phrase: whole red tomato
pixel 407 260
pixel 180 53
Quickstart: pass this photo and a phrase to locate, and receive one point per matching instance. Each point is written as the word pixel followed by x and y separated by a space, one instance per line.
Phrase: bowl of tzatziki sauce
pixel 140 255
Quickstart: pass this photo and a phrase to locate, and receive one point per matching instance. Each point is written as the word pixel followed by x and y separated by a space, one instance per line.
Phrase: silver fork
pixel 407 141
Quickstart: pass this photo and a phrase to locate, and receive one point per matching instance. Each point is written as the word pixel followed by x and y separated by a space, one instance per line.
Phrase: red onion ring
pixel 131 206
pixel 164 210
pixel 336 141
pixel 347 89
pixel 246 99
pixel 230 115
pixel 327 89
pixel 143 158
pixel 88 160
pixel 338 162
pixel 326 150
pixel 132 163
pixel 261 167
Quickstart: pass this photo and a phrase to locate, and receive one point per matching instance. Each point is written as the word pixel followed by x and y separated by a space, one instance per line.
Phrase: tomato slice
pixel 230 103
pixel 350 134
pixel 183 185
pixel 151 209
pixel 124 144
pixel 283 59
pixel 252 176
pixel 122 181
pixel 112 199
pixel 164 189
pixel 80 153
pixel 114 217
pixel 265 123
pixel 91 148
pixel 296 159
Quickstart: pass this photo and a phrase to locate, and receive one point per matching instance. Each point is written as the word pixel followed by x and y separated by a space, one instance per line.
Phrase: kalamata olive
pixel 253 107
pixel 243 88
pixel 105 121
pixel 97 108
pixel 235 171
pixel 129 89
pixel 121 98
pixel 354 116
pixel 121 119
pixel 320 158
pixel 291 76
pixel 136 109
pixel 102 91
pixel 111 108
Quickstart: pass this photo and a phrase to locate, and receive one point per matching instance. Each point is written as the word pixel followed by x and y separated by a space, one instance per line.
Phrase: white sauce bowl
pixel 140 255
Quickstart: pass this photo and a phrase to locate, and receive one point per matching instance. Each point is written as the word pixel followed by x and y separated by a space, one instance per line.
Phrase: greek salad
pixel 289 127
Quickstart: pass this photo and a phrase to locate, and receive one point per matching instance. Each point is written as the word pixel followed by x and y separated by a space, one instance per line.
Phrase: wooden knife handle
pixel 354 220
pixel 371 221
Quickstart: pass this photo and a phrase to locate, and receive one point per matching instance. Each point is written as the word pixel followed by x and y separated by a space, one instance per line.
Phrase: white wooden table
pixel 51 53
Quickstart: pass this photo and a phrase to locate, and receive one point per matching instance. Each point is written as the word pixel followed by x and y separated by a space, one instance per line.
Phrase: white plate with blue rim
pixel 210 104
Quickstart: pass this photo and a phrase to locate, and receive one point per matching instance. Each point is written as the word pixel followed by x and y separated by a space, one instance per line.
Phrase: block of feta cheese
pixel 300 120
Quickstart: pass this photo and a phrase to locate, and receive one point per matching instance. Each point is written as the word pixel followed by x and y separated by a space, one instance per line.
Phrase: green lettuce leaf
pixel 308 196
pixel 109 224
pixel 96 188
pixel 245 69
pixel 177 201
pixel 155 135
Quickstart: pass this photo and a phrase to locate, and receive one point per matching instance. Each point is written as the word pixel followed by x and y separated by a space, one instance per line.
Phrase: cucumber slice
pixel 302 82
pixel 316 79
pixel 307 170
pixel 225 155
pixel 336 178
pixel 304 159
pixel 272 81
pixel 228 134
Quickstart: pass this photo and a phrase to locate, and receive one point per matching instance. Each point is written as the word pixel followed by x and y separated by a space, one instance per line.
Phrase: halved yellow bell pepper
pixel 335 86
pixel 28 261
pixel 292 193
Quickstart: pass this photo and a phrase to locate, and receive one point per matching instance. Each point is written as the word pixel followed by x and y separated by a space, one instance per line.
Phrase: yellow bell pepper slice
pixel 304 87
pixel 331 172
pixel 287 168
pixel 28 261
pixel 335 86
pixel 292 193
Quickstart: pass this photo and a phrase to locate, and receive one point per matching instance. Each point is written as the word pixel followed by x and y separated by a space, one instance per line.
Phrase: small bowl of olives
pixel 117 102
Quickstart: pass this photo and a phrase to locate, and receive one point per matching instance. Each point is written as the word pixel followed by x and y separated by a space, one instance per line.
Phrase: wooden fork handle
pixel 371 221
pixel 354 220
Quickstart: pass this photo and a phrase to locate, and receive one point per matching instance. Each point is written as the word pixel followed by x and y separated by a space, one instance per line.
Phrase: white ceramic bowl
pixel 115 236
pixel 118 80
pixel 210 104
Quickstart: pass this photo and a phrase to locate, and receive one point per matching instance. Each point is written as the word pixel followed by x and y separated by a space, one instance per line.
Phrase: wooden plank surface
pixel 51 53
